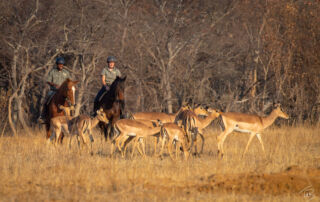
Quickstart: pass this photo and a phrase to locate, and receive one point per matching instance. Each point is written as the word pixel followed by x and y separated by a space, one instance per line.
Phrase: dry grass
pixel 32 170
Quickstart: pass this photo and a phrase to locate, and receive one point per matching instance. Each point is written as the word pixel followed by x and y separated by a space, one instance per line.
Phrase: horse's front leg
pixel 48 131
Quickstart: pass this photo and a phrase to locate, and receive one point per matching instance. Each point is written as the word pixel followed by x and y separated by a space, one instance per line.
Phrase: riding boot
pixel 43 114
pixel 97 100
pixel 95 106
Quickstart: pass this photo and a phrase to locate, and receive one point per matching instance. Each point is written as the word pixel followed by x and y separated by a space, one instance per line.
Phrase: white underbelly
pixel 242 130
pixel 132 134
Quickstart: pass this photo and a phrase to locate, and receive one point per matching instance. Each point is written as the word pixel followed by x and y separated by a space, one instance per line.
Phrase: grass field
pixel 32 170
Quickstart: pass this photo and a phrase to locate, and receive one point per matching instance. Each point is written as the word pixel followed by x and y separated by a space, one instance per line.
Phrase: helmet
pixel 111 59
pixel 60 60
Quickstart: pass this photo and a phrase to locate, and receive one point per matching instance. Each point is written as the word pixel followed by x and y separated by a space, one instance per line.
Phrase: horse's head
pixel 118 87
pixel 67 90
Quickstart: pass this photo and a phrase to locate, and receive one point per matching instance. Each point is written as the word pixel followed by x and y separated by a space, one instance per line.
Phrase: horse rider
pixel 55 78
pixel 108 75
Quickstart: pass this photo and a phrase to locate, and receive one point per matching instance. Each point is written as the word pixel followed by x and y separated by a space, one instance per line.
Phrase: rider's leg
pixel 97 98
pixel 44 110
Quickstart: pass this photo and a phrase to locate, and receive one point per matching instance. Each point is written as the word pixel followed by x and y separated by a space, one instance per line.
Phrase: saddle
pixel 50 98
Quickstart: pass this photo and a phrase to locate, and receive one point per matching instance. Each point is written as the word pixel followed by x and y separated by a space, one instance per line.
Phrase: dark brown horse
pixel 64 96
pixel 113 105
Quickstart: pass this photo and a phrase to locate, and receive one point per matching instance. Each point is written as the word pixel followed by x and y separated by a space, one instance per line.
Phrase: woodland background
pixel 233 55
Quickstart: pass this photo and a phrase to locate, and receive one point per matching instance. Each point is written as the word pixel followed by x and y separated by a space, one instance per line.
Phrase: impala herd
pixel 179 131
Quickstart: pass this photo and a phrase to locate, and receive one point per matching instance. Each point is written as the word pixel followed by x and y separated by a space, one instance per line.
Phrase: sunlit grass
pixel 32 169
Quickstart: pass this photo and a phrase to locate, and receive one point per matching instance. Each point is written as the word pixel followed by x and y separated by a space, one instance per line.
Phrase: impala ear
pixel 277 105
pixel 159 122
pixel 197 105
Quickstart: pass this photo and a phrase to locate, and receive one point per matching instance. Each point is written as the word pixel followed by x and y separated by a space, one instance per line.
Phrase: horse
pixel 113 104
pixel 64 96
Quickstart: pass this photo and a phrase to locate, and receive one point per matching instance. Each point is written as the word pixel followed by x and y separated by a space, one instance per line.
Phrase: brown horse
pixel 113 105
pixel 65 97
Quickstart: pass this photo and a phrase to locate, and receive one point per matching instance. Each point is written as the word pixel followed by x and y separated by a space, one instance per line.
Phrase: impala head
pixel 200 110
pixel 185 107
pixel 279 112
pixel 66 110
pixel 213 112
pixel 102 116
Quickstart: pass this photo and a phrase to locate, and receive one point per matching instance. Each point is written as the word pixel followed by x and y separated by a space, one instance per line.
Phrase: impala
pixel 78 126
pixel 247 123
pixel 174 134
pixel 132 130
pixel 194 125
pixel 166 118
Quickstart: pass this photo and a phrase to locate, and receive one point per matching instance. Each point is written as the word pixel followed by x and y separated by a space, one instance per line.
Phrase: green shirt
pixel 110 75
pixel 57 77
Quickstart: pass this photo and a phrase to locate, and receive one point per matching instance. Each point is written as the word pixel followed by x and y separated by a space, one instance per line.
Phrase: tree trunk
pixel 10 113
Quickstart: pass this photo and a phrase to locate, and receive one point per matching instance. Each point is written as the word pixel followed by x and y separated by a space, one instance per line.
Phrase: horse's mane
pixel 64 85
pixel 112 92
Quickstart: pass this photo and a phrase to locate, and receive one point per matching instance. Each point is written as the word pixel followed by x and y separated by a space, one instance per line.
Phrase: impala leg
pixel 163 142
pixel 141 140
pixel 185 150
pixel 202 138
pixel 261 142
pixel 137 145
pixel 125 141
pixel 195 144
pixel 113 144
pixel 112 149
pixel 135 141
pixel 70 141
pixel 170 148
pixel 155 145
pixel 52 136
pixel 191 145
pixel 250 139
pixel 126 144
pixel 221 138
pixel 178 145
pixel 120 142
pixel 57 134
pixel 84 142
pixel 78 141
pixel 91 140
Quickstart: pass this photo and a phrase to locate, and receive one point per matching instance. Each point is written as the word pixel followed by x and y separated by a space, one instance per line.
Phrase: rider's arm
pixel 103 79
pixel 52 84
pixel 50 80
